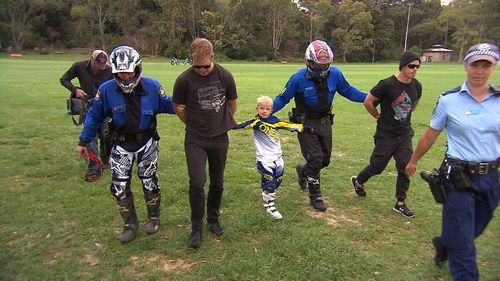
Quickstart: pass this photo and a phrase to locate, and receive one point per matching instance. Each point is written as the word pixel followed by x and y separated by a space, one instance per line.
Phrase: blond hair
pixel 264 100
pixel 201 49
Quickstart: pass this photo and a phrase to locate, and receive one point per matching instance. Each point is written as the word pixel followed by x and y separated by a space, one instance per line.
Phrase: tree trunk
pixel 19 11
pixel 102 22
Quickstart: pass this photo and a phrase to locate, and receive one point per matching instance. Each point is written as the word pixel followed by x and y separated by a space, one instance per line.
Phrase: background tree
pixel 168 23
pixel 358 30
pixel 277 14
pixel 465 27
pixel 491 17
pixel 92 18
pixel 18 13
pixel 383 34
pixel 353 36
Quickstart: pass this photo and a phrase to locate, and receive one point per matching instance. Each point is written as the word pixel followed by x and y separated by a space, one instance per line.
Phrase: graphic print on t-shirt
pixel 401 106
pixel 210 98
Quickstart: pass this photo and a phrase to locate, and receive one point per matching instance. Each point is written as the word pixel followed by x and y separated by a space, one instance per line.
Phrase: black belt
pixel 478 168
pixel 140 137
pixel 321 120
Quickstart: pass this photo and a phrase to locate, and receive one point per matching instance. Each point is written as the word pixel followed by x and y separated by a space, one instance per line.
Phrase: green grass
pixel 54 226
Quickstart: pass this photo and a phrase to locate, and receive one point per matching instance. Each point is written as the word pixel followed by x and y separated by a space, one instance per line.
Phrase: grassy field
pixel 55 226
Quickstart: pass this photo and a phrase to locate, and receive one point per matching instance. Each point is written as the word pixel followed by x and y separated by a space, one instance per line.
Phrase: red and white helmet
pixel 319 52
pixel 318 58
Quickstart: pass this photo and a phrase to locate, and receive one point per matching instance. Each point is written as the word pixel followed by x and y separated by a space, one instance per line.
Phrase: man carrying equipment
pixel 90 74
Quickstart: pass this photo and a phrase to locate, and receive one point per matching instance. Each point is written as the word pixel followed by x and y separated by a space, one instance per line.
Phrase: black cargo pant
pixel 316 146
pixel 399 147
pixel 198 150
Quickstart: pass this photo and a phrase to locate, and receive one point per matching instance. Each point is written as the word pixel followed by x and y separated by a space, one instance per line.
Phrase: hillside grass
pixel 55 226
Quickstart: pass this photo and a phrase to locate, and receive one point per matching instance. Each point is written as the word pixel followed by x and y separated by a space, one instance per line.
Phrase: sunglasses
pixel 206 66
pixel 413 66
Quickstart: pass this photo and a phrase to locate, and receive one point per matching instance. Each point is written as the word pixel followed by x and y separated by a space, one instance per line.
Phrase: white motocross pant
pixel 121 162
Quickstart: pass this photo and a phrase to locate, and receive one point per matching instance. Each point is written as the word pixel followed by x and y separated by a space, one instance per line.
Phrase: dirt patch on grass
pixel 91 260
pixel 333 217
pixel 165 264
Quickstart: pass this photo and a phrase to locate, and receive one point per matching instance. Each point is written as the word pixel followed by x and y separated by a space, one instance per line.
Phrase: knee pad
pixel 150 184
pixel 120 189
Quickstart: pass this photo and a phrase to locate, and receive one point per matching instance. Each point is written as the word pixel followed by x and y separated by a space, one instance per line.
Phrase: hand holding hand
pixel 309 129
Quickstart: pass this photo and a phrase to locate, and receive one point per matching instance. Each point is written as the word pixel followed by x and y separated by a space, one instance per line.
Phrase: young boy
pixel 268 150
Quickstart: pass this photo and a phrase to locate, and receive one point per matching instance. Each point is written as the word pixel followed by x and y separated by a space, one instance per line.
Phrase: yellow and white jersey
pixel 266 137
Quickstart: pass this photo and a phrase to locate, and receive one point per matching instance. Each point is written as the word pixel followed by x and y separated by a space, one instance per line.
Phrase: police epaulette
pixel 451 91
pixel 495 89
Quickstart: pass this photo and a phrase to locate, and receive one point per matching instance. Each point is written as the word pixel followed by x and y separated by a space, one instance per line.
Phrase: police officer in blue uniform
pixel 470 114
pixel 313 89
pixel 132 101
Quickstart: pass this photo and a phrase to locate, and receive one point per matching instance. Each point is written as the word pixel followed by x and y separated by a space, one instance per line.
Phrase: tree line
pixel 357 30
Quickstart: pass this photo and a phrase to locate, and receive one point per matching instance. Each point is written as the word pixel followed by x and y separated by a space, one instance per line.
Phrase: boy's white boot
pixel 268 199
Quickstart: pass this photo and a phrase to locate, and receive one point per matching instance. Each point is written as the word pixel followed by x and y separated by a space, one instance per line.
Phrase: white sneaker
pixel 268 199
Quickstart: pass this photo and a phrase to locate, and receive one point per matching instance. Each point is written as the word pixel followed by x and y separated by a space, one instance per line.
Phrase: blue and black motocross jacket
pixel 110 102
pixel 304 89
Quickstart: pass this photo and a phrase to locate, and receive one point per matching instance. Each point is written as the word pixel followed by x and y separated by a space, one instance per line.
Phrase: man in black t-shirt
pixel 90 74
pixel 398 96
pixel 205 100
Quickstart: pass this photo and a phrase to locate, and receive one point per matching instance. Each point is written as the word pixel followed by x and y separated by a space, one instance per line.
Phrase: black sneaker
pixel 302 180
pixel 360 191
pixel 216 228
pixel 441 255
pixel 403 210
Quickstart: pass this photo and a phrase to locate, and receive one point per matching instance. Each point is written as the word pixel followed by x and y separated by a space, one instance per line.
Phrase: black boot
pixel 153 206
pixel 127 211
pixel 196 235
pixel 301 177
pixel 441 255
pixel 313 185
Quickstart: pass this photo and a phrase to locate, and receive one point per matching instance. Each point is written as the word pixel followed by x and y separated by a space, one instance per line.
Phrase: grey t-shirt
pixel 205 97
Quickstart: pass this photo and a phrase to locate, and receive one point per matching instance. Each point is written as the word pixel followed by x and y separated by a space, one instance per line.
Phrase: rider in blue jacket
pixel 313 89
pixel 132 101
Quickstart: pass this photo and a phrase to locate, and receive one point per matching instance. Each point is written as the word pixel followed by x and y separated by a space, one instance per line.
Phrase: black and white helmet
pixel 126 59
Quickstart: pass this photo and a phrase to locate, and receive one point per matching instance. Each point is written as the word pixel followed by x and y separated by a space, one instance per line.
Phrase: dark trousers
pixel 316 147
pixel 386 147
pixel 104 151
pixel 465 217
pixel 198 150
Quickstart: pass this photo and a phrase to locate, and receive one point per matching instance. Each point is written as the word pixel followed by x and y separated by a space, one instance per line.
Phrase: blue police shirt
pixel 472 127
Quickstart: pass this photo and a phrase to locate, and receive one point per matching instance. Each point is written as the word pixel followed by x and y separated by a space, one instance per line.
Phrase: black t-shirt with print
pixel 396 101
pixel 205 97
